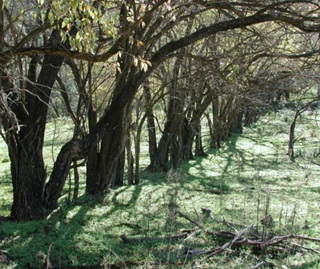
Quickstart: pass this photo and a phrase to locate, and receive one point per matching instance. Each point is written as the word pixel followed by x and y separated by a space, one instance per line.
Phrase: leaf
pixel 69 26
pixel 74 4
pixel 118 67
pixel 64 23
pixel 135 61
pixel 51 17
pixel 140 43
pixel 144 66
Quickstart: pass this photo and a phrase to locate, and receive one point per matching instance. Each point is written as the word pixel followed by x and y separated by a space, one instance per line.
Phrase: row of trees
pixel 118 67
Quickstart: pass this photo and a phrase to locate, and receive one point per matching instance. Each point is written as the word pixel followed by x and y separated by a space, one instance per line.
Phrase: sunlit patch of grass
pixel 5 181
pixel 249 176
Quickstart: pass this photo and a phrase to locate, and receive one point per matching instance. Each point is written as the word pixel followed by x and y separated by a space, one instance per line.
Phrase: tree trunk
pixel 112 147
pixel 28 177
pixel 199 151
pixel 201 103
pixel 25 147
pixel 152 137
pixel 93 156
pixel 216 124
pixel 168 152
pixel 291 133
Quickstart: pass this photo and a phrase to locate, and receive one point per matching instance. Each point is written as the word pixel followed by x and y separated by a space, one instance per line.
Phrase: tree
pixel 141 46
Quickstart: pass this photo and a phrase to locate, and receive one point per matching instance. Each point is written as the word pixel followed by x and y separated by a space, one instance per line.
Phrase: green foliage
pixel 82 17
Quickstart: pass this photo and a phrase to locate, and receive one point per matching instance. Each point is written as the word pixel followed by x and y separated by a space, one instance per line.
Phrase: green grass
pixel 247 176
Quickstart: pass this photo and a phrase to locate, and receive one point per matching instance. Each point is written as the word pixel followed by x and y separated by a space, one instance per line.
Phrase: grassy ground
pixel 249 178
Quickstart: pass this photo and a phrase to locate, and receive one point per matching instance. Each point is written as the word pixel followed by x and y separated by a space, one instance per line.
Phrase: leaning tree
pixel 135 35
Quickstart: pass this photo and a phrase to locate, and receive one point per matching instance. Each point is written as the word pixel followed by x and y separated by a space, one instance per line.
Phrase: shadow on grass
pixel 75 236
pixel 30 241
pixel 86 234
pixel 80 234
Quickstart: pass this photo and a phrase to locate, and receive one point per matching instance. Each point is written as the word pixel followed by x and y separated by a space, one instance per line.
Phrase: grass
pixel 242 182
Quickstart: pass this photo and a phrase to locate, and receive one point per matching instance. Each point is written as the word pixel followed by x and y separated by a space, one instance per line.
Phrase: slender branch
pixel 260 264
pixel 163 52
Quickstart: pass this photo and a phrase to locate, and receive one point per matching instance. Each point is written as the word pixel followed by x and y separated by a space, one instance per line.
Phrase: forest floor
pixel 252 190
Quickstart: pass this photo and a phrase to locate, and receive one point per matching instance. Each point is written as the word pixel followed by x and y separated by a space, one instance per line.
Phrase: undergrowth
pixel 245 181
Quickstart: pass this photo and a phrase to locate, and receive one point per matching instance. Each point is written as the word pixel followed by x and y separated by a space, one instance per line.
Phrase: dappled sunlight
pixel 249 177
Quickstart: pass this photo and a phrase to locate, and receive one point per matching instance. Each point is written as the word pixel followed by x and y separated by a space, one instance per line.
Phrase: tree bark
pixel 93 156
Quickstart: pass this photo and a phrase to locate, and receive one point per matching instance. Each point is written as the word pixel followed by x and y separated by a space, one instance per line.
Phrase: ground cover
pixel 245 181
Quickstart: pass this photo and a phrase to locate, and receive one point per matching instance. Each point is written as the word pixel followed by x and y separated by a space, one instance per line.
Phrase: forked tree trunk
pixel 111 157
pixel 25 144
pixel 168 151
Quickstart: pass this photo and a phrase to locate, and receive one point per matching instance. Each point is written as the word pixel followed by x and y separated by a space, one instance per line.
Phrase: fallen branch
pixel 260 264
pixel 229 244
pixel 229 224
pixel 139 239
pixel 195 223
pixel 307 238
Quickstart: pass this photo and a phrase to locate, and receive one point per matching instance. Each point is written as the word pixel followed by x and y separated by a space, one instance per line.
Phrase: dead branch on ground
pixel 246 237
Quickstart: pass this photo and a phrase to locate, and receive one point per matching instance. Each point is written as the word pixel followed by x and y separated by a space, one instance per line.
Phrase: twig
pixel 183 243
